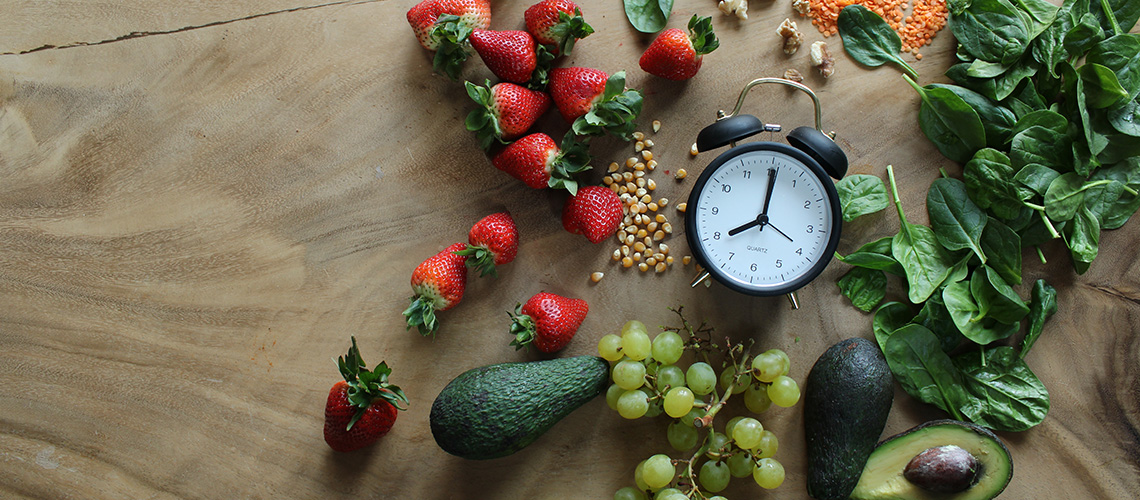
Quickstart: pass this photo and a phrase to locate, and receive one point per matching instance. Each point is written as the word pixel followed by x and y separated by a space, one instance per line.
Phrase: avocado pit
pixel 943 469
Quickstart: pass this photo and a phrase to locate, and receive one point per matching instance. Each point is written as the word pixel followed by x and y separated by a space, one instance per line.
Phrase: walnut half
pixel 822 59
pixel 739 8
pixel 792 36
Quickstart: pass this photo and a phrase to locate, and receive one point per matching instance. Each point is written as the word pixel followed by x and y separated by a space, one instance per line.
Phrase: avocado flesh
pixel 882 478
pixel 496 410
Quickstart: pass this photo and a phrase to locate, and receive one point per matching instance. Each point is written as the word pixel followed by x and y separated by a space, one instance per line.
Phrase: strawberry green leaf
pixel 614 114
pixel 480 259
pixel 523 328
pixel 421 314
pixel 452 36
pixel 573 158
pixel 541 75
pixel 569 30
pixel 483 120
pixel 365 387
pixel 702 36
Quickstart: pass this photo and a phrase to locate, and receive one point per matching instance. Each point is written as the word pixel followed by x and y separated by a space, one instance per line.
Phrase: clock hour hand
pixel 751 224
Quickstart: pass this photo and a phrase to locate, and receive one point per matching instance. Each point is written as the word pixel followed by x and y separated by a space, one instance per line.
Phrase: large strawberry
pixel 513 56
pixel 539 162
pixel 506 111
pixel 593 102
pixel 548 321
pixel 493 241
pixel 595 212
pixel 444 26
pixel 361 408
pixel 677 55
pixel 558 23
pixel 438 284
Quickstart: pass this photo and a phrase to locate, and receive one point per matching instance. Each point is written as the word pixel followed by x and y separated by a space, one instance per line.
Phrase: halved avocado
pixel 884 476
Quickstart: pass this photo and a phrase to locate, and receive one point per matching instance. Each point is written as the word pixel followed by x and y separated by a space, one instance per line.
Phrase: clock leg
pixel 702 276
pixel 794 300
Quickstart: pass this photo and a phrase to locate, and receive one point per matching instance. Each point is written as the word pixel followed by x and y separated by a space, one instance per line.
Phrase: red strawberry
pixel 539 162
pixel 594 103
pixel 444 25
pixel 594 212
pixel 506 111
pixel 493 241
pixel 438 283
pixel 548 321
pixel 510 55
pixel 676 55
pixel 558 23
pixel 361 408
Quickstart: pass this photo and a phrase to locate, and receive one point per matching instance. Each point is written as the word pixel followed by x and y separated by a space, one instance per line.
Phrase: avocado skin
pixel 883 482
pixel 496 410
pixel 846 402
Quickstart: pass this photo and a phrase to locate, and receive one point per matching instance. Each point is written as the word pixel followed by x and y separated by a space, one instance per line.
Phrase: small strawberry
pixel 676 55
pixel 506 111
pixel 539 162
pixel 513 56
pixel 594 212
pixel 593 102
pixel 548 321
pixel 438 283
pixel 493 241
pixel 558 23
pixel 444 25
pixel 361 408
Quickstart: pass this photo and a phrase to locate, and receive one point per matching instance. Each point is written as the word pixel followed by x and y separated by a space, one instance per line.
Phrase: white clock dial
pixel 756 249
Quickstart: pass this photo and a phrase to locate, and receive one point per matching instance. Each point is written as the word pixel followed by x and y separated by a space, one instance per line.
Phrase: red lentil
pixel 926 19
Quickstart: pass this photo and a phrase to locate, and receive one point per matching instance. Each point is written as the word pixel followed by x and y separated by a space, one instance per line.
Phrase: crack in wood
pixel 1130 297
pixel 142 34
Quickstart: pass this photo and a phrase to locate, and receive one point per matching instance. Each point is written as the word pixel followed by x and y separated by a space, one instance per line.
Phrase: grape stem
pixel 739 367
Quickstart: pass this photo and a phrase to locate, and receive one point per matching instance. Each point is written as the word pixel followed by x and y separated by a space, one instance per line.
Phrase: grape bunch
pixel 647 381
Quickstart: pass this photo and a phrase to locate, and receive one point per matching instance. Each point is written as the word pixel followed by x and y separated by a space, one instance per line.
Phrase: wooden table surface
pixel 200 202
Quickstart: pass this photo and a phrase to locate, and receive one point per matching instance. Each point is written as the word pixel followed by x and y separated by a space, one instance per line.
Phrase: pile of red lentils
pixel 926 18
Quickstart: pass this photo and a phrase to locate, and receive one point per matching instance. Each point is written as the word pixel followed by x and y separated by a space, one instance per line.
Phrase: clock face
pixel 763 219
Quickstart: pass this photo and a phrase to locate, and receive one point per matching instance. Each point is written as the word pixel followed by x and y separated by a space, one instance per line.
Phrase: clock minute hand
pixel 768 194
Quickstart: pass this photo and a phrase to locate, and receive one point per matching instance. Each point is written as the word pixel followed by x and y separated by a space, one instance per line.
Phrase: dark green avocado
pixel 494 411
pixel 939 460
pixel 847 398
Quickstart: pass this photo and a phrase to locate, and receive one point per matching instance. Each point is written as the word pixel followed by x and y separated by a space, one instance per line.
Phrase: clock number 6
pixel 753 267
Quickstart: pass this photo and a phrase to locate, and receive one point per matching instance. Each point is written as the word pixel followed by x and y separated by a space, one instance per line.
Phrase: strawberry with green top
pixel 676 55
pixel 438 284
pixel 595 212
pixel 557 23
pixel 593 102
pixel 362 408
pixel 443 26
pixel 493 241
pixel 548 321
pixel 506 111
pixel 513 56
pixel 539 162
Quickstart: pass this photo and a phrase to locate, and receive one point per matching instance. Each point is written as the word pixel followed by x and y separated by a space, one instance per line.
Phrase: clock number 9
pixel 715 210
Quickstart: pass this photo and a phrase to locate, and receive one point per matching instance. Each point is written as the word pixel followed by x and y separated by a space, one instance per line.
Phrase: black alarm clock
pixel 764 218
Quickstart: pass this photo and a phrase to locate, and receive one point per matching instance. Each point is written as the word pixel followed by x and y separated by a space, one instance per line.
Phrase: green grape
pixel 651 366
pixel 678 401
pixel 609 347
pixel 701 378
pixel 629 374
pixel 715 445
pixel 637 479
pixel 768 445
pixel 784 360
pixel 635 340
pixel 747 433
pixel 670 376
pixel 714 476
pixel 756 398
pixel 612 394
pixel 658 471
pixel 632 404
pixel 768 365
pixel 629 493
pixel 682 437
pixel 693 414
pixel 769 473
pixel 718 497
pixel 740 464
pixel 727 376
pixel 731 423
pixel 670 494
pixel 784 391
pixel 668 347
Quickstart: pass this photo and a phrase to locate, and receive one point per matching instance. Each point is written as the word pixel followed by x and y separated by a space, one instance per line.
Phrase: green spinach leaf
pixel 924 371
pixel 1083 35
pixel 1128 174
pixel 1042 305
pixel 888 318
pixel 967 315
pixel 1121 54
pixel 995 298
pixel 869 40
pixel 648 16
pixel 1036 177
pixel 1007 396
pixel 1064 197
pixel 991 30
pixel 997 120
pixel 1041 146
pixel 1101 87
pixel 988 182
pixel 1125 12
pixel 874 255
pixel 1003 245
pixel 951 124
pixel 915 247
pixel 866 288
pixel 956 221
pixel 1083 239
pixel 936 318
pixel 1126 118
pixel 1037 15
pixel 861 194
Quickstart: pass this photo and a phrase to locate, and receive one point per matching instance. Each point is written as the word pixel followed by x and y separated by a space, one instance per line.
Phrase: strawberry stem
pixel 522 327
pixel 365 386
pixel 480 259
pixel 702 36
pixel 421 314
pixel 452 36
pixel 614 113
pixel 482 120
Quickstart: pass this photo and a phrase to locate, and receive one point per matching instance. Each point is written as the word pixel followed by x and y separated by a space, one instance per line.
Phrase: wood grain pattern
pixel 195 218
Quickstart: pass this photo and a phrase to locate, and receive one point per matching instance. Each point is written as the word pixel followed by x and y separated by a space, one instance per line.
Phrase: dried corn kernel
pixel 639 166
pixel 652 206
pixel 669 260
pixel 615 188
pixel 652 226
pixel 656 125
pixel 662 202
pixel 640 181
pixel 686 259
pixel 651 164
pixel 627 176
pixel 647 155
pixel 639 246
pixel 646 199
pixel 596 277
pixel 651 184
pixel 637 256
pixel 643 267
pixel 652 261
pixel 660 218
pixel 659 235
pixel 624 250
pixel 607 180
pixel 626 262
pixel 664 249
pixel 682 206
pixel 629 162
pixel 641 233
pixel 613 167
pixel 693 150
pixel 660 267
pixel 648 143
pixel 639 174
pixel 639 135
pixel 681 173
pixel 667 227
pixel 638 146
pixel 617 254
pixel 648 241
pixel 660 257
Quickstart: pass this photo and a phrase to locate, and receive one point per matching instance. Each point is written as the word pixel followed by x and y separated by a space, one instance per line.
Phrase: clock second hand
pixel 769 224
